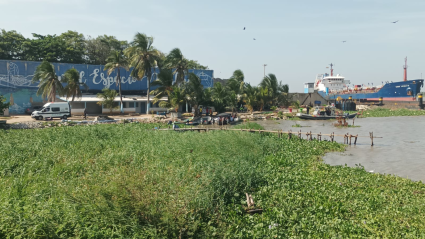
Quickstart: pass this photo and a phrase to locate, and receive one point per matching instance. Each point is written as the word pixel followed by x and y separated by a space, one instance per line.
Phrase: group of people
pixel 206 111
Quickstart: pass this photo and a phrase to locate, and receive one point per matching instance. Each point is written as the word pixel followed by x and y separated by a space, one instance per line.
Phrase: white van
pixel 52 110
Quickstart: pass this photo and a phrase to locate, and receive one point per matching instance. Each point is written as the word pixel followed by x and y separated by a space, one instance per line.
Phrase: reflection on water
pixel 399 152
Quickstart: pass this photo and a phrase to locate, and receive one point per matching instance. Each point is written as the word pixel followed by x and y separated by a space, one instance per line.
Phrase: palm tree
pixel 115 62
pixel 49 84
pixel 176 60
pixel 219 97
pixel 270 82
pixel 164 83
pixel 143 56
pixel 108 99
pixel 194 91
pixel 73 84
pixel 178 97
pixel 250 96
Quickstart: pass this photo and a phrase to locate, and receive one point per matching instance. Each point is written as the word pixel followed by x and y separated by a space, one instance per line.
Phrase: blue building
pixel 16 86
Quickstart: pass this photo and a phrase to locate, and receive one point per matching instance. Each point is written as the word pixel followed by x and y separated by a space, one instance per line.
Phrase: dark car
pixel 31 109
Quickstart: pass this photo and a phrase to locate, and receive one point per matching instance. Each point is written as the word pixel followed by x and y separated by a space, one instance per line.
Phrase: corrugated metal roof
pixel 125 98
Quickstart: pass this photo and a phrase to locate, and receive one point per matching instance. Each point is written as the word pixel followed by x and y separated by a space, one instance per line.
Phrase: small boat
pixel 324 113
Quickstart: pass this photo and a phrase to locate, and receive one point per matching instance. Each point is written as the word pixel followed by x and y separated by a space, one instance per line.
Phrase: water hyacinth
pixel 129 181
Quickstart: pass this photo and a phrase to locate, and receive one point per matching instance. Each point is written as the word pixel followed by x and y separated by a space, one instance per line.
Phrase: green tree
pixel 177 97
pixel 143 57
pixel 11 45
pixel 72 48
pixel 219 97
pixel 49 84
pixel 270 83
pixel 42 48
pixel 251 97
pixel 164 84
pixel 192 64
pixel 175 60
pixel 194 92
pixel 108 99
pixel 116 61
pixel 99 49
pixel 73 84
pixel 3 104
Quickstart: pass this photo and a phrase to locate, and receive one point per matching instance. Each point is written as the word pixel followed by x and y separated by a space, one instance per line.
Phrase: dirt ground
pixel 27 118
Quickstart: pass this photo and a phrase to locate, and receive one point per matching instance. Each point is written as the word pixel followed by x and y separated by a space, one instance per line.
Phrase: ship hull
pixel 397 91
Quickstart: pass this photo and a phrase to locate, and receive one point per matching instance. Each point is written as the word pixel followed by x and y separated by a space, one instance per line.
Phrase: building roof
pixel 125 98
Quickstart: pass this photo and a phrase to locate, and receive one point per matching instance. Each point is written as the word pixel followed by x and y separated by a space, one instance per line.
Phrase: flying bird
pixel 254 39
pixel 344 41
pixel 395 21
pixel 244 28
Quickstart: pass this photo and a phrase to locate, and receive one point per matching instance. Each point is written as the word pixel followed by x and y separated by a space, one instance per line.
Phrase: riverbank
pixel 380 112
pixel 127 180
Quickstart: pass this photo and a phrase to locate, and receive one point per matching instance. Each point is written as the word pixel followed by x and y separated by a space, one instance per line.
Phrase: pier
pixel 348 138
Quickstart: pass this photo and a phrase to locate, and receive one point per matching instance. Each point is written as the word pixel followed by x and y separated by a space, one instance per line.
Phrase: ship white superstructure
pixel 333 83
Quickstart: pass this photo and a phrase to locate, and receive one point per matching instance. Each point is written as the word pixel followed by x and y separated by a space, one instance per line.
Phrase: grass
pixel 380 112
pixel 128 181
pixel 297 125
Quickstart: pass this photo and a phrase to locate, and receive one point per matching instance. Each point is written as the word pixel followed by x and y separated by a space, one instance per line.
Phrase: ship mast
pixel 405 69
pixel 332 70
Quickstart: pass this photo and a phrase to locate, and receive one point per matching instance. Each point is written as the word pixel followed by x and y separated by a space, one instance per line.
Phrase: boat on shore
pixel 325 113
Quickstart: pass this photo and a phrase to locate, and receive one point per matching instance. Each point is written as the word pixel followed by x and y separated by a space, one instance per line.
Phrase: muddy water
pixel 401 151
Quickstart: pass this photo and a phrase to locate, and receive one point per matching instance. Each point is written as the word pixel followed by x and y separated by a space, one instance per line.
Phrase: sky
pixel 296 39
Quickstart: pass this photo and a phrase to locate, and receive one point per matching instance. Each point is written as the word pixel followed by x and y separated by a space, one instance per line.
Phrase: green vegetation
pixel 108 96
pixel 296 125
pixel 3 104
pixel 49 84
pixel 380 112
pixel 248 125
pixel 127 181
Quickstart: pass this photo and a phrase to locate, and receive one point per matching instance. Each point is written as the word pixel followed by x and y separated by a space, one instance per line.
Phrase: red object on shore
pixel 290 110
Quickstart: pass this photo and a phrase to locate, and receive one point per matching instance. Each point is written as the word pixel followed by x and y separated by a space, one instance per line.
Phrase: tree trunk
pixel 196 111
pixel 53 95
pixel 149 87
pixel 119 88
pixel 73 96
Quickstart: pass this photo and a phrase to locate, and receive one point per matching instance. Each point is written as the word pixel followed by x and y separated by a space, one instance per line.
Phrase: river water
pixel 400 151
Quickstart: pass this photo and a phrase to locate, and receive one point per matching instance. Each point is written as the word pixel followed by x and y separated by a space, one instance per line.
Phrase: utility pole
pixel 265 70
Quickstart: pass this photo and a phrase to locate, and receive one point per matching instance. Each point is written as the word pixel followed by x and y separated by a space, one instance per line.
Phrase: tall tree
pixel 108 99
pixel 116 61
pixel 49 84
pixel 73 84
pixel 251 97
pixel 179 63
pixel 99 49
pixel 270 83
pixel 194 92
pixel 73 47
pixel 219 97
pixel 143 57
pixel 11 45
pixel 164 84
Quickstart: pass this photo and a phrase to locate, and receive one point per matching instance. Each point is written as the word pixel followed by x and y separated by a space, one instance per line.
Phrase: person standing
pixel 85 113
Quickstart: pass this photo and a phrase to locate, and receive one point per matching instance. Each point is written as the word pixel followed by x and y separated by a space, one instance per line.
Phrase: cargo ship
pixel 337 87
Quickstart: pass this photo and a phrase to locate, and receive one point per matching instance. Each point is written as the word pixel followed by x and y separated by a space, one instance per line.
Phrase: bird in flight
pixel 254 39
pixel 395 21
pixel 344 41
pixel 244 28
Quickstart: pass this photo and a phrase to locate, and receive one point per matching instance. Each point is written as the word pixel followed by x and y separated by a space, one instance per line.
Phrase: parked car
pixel 31 109
pixel 61 110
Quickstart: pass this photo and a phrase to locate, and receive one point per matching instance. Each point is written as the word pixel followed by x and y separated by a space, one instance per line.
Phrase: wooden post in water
pixel 355 140
pixel 289 134
pixel 371 137
pixel 299 135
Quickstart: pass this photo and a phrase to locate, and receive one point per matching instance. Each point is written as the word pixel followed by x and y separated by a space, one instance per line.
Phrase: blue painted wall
pixel 16 77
